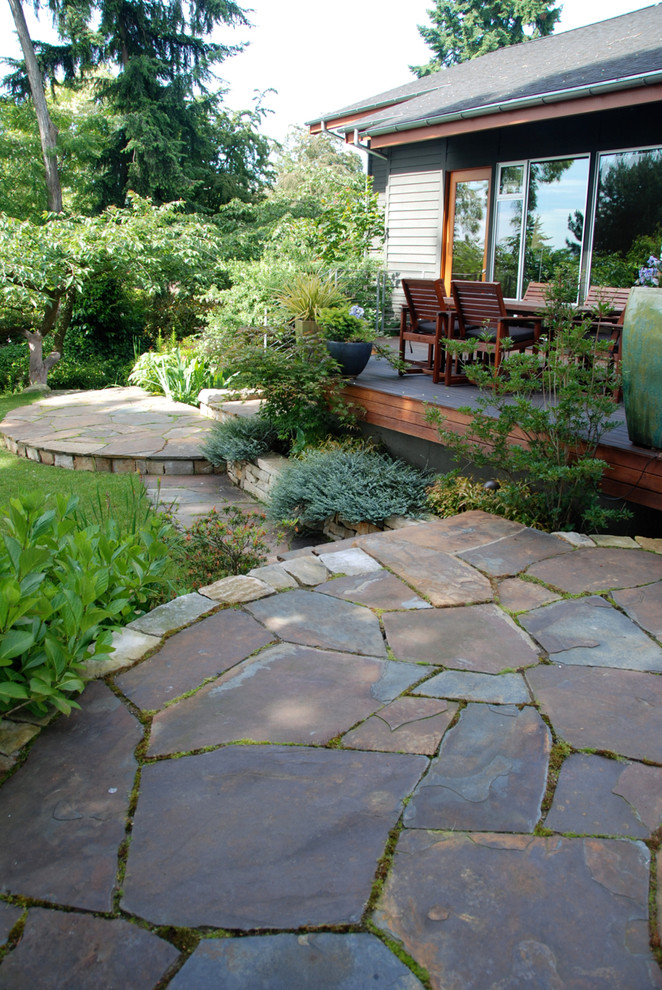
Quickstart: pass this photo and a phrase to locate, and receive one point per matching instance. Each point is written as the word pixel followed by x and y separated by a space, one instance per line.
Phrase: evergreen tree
pixel 463 29
pixel 174 139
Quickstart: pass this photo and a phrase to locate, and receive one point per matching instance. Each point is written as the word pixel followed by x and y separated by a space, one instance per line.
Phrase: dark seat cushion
pixel 426 326
pixel 516 334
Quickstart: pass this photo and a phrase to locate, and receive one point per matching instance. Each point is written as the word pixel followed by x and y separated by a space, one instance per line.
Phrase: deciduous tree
pixel 44 266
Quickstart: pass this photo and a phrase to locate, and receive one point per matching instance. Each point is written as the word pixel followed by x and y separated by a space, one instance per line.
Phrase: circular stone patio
pixel 114 429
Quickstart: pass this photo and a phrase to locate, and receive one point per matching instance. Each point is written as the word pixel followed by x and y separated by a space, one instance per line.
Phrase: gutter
pixel 365 108
pixel 558 96
pixel 355 142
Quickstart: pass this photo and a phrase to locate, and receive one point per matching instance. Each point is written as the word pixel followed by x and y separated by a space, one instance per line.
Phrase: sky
pixel 317 57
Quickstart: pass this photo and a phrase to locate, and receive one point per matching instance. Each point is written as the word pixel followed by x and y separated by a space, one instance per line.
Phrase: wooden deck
pixel 398 404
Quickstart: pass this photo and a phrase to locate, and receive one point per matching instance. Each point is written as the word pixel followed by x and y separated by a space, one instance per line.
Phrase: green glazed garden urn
pixel 641 366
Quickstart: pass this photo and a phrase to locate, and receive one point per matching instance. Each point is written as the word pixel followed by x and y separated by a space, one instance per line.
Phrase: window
pixel 628 215
pixel 539 220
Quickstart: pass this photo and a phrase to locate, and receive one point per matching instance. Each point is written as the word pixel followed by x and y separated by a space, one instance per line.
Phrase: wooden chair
pixel 481 314
pixel 425 319
pixel 610 326
pixel 607 295
pixel 536 292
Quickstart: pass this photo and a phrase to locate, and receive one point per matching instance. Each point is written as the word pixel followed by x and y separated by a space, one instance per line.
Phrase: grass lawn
pixel 120 495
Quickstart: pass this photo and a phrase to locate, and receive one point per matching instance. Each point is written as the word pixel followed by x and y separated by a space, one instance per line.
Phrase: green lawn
pixel 116 493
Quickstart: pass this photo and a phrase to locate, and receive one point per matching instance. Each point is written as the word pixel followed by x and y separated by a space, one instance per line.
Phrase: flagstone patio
pixel 446 774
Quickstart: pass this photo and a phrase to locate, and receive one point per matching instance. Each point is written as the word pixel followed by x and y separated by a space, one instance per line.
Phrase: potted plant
pixel 348 337
pixel 306 296
pixel 641 361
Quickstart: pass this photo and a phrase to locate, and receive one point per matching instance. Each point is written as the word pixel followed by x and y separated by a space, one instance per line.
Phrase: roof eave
pixel 502 106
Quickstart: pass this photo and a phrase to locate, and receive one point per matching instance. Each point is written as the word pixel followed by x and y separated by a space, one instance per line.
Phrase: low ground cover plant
pixel 359 484
pixel 453 493
pixel 64 584
pixel 240 438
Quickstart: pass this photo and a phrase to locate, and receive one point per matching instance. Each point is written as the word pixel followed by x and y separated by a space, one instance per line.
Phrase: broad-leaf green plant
pixel 63 586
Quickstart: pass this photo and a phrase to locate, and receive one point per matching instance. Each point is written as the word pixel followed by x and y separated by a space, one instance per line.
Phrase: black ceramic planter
pixel 351 356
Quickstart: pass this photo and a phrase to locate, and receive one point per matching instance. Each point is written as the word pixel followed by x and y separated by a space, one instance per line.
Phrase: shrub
pixel 301 393
pixel 89 373
pixel 452 493
pixel 14 367
pixel 559 401
pixel 221 544
pixel 241 438
pixel 63 585
pixel 361 485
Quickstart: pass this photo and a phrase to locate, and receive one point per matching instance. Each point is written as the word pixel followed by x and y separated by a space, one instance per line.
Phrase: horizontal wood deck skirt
pixel 635 473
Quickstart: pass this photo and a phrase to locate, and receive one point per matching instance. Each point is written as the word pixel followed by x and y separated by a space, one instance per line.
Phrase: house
pixel 504 166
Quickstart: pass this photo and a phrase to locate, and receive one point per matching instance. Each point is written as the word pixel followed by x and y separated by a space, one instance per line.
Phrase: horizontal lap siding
pixel 414 207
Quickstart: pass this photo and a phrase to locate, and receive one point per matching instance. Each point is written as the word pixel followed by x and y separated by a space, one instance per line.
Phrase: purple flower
pixel 357 311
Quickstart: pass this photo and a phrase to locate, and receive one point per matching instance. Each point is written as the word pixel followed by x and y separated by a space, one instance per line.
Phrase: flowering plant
pixel 650 273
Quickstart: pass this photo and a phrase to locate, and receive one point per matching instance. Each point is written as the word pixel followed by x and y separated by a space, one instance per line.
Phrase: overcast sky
pixel 319 57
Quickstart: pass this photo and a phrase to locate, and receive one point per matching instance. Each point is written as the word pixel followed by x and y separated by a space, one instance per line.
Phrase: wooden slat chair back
pixel 610 327
pixel 536 292
pixel 607 295
pixel 481 313
pixel 424 319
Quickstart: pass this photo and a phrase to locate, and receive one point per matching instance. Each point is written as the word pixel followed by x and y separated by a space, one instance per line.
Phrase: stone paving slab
pixel 81 952
pixel 319 620
pixel 192 656
pixel 236 588
pixel 644 606
pixel 306 568
pixel 461 532
pixel 294 962
pixel 286 694
pixel 438 576
pixel 63 816
pixel 480 638
pixel 381 590
pixel 250 837
pixel 173 615
pixel 9 915
pixel 590 632
pixel 521 596
pixel 501 689
pixel 490 774
pixel 596 796
pixel 407 725
pixel 519 911
pixel 602 708
pixel 599 570
pixel 513 554
pixel 347 562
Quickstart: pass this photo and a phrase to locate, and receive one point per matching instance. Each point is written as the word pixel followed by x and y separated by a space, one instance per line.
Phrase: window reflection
pixel 555 218
pixel 628 220
pixel 543 203
pixel 469 229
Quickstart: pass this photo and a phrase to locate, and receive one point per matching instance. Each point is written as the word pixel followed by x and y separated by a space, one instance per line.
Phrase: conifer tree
pixel 463 29
pixel 175 139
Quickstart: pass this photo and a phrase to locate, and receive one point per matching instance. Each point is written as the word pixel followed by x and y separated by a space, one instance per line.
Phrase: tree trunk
pixel 39 367
pixel 47 130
